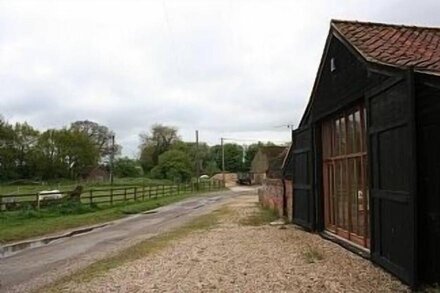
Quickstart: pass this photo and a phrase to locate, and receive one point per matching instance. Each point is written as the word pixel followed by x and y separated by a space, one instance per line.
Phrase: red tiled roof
pixel 394 45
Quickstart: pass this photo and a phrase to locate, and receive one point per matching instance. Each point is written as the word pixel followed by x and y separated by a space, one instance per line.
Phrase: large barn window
pixel 346 195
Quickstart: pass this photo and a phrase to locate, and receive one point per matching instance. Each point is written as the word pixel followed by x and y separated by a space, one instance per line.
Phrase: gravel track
pixel 235 258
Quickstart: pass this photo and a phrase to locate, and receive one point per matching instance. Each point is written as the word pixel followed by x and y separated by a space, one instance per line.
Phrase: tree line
pixel 27 153
pixel 165 156
pixel 71 151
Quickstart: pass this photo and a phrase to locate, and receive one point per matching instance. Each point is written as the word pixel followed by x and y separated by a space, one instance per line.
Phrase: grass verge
pixel 312 255
pixel 260 216
pixel 24 224
pixel 137 251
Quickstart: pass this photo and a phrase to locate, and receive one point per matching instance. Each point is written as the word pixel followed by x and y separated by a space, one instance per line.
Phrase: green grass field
pixel 102 194
pixel 28 223
pixel 67 185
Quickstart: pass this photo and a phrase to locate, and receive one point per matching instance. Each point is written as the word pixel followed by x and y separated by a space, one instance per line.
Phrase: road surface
pixel 34 267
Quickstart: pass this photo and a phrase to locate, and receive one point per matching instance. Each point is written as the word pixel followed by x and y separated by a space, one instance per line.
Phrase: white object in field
pixel 49 194
pixel 204 177
pixel 360 196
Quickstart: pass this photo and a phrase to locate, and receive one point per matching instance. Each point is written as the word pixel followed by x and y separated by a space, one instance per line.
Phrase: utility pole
pixel 197 157
pixel 292 133
pixel 112 157
pixel 223 160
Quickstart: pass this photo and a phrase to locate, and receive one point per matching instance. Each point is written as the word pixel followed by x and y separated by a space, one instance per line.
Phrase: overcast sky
pixel 229 68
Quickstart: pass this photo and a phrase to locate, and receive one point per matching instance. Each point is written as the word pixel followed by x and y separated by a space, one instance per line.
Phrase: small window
pixel 332 64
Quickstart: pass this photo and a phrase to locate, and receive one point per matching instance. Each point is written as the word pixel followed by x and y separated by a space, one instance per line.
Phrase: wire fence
pixel 99 197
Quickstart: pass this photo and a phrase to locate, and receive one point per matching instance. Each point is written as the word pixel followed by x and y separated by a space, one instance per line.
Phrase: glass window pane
pixel 345 172
pixel 337 138
pixel 358 127
pixel 364 117
pixel 354 187
pixel 343 136
pixel 326 140
pixel 351 148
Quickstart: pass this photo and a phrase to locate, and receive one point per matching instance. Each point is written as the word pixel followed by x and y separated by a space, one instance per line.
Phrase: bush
pixel 29 212
pixel 173 165
pixel 126 167
pixel 73 207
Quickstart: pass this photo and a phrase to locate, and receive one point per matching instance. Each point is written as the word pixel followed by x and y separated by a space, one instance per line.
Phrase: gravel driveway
pixel 232 257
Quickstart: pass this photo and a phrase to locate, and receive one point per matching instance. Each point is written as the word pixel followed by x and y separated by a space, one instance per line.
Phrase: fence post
pixel 163 189
pixel 91 197
pixel 178 189
pixel 157 191
pixel 135 195
pixel 125 194
pixel 111 196
pixel 149 192
pixel 37 197
pixel 143 191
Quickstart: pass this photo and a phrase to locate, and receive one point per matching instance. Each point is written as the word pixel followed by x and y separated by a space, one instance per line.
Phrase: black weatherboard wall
pixel 392 157
pixel 304 207
pixel 428 146
pixel 403 144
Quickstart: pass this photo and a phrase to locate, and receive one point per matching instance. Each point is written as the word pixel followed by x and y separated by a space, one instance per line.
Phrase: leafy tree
pixel 174 165
pixel 233 156
pixel 211 168
pixel 65 153
pixel 100 135
pixel 126 167
pixel 155 143
pixel 146 158
pixel 25 139
pixel 198 154
pixel 7 151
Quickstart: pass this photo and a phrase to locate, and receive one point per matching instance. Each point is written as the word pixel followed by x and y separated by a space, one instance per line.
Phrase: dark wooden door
pixel 392 159
pixel 428 133
pixel 303 207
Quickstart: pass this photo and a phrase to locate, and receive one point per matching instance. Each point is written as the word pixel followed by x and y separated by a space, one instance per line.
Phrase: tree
pixel 7 152
pixel 65 153
pixel 100 135
pixel 146 158
pixel 155 143
pixel 25 139
pixel 126 167
pixel 233 156
pixel 174 165
pixel 211 168
pixel 197 154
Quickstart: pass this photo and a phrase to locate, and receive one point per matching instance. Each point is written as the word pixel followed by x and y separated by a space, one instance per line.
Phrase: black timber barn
pixel 366 160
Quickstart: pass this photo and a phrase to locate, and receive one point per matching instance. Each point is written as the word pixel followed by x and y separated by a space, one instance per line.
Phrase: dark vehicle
pixel 244 178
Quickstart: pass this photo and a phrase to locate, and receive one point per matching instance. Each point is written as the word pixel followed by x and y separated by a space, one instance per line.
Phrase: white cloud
pixel 228 68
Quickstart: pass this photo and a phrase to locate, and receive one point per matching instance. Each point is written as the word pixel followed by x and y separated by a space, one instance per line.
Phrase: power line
pixel 254 140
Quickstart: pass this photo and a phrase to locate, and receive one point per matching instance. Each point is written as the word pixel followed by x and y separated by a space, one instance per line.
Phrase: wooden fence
pixel 107 196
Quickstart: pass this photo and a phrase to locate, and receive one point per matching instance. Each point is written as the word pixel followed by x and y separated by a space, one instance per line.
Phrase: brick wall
pixel 270 195
pixel 289 199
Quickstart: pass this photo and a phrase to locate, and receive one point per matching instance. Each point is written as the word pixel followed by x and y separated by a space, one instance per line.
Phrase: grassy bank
pixel 30 223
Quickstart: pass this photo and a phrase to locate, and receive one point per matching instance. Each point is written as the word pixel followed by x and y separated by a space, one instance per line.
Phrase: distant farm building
pixel 96 174
pixel 267 163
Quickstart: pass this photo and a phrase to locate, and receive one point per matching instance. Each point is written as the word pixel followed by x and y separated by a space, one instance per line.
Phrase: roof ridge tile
pixel 395 45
